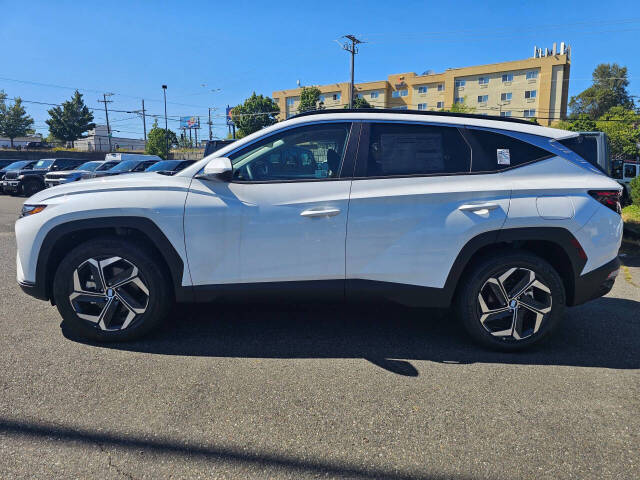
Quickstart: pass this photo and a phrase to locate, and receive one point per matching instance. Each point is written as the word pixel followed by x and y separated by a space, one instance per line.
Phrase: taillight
pixel 609 198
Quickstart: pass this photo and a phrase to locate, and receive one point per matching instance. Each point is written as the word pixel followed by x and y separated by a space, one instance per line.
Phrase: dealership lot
pixel 305 391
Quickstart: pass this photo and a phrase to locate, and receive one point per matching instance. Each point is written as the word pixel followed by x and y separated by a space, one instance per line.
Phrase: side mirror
pixel 219 168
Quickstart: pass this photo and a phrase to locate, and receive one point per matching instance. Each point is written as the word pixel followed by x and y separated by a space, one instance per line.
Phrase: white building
pixel 19 141
pixel 98 141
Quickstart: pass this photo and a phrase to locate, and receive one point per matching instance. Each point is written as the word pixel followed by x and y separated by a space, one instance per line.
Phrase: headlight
pixel 20 177
pixel 31 210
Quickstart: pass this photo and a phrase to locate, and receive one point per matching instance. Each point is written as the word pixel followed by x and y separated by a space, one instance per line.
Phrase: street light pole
pixel 166 125
pixel 353 50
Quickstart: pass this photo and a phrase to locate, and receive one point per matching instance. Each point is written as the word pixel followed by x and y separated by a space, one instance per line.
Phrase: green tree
pixel 71 120
pixel 609 89
pixel 310 99
pixel 14 121
pixel 635 191
pixel 156 141
pixel 621 126
pixel 460 107
pixel 255 113
pixel 581 123
pixel 359 102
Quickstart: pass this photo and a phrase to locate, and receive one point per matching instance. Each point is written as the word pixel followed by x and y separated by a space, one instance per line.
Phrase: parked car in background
pixel 121 157
pixel 30 181
pixel 495 217
pixel 36 145
pixel 169 167
pixel 7 162
pixel 15 165
pixel 52 179
pixel 125 166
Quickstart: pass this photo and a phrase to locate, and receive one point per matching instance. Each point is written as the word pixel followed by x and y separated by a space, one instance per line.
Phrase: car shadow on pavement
pixel 603 333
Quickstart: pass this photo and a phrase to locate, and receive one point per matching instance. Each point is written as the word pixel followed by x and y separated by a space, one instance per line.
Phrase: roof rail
pixel 414 112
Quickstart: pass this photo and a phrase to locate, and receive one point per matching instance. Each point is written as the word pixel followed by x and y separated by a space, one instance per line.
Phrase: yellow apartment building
pixel 535 87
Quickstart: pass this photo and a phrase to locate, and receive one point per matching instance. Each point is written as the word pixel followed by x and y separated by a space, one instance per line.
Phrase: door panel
pixel 410 230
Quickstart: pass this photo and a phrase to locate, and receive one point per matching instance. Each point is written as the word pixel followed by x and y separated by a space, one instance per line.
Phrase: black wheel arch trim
pixel 42 287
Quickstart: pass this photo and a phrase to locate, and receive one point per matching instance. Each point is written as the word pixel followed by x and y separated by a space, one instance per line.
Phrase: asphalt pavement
pixel 309 391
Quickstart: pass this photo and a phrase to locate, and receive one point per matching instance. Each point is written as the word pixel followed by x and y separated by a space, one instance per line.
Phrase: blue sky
pixel 132 48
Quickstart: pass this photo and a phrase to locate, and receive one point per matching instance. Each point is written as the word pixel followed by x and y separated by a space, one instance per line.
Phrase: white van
pixel 120 157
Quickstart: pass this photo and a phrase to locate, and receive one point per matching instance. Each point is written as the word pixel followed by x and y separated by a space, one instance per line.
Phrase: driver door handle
pixel 324 212
pixel 478 206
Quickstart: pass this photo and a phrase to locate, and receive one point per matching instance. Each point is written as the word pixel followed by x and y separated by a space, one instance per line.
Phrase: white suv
pixel 495 217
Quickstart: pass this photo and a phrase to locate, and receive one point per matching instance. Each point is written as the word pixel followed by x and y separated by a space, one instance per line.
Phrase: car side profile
pixel 495 218
pixel 28 181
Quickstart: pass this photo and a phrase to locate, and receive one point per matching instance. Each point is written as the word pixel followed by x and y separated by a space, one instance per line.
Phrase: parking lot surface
pixel 308 391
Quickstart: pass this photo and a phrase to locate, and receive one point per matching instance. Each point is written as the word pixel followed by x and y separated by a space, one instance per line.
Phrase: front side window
pixel 530 93
pixel 304 153
pixel 400 150
pixel 505 97
pixel 494 151
pixel 483 98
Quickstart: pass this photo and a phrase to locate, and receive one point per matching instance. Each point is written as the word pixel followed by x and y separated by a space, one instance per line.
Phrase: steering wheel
pixel 258 169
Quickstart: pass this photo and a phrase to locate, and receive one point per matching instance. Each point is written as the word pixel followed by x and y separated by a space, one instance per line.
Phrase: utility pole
pixel 144 123
pixel 106 114
pixel 353 50
pixel 166 125
pixel 210 134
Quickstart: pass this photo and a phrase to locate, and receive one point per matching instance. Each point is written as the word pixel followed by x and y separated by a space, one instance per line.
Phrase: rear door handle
pixel 325 212
pixel 478 207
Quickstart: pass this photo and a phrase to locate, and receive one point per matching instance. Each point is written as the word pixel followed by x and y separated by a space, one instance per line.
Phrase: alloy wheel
pixel 514 304
pixel 109 292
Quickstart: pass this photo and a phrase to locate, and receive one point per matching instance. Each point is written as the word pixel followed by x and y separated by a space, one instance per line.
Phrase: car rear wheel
pixel 111 290
pixel 512 301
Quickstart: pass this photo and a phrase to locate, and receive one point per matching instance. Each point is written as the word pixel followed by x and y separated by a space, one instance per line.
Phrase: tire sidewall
pixel 467 302
pixel 159 298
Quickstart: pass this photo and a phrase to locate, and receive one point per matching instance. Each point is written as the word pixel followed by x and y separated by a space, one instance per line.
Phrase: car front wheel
pixel 512 301
pixel 111 290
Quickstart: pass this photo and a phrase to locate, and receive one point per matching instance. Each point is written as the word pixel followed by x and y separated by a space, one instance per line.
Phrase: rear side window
pixel 405 149
pixel 495 151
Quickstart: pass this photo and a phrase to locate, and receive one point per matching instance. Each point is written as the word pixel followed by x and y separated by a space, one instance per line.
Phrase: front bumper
pixel 33 290
pixel 11 186
pixel 596 283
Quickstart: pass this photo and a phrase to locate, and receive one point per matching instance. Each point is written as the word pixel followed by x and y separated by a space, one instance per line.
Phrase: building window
pixel 291 101
pixel 458 100
pixel 530 113
pixel 336 96
pixel 460 83
pixel 374 94
pixel 400 93
pixel 505 114
pixel 401 107
pixel 530 94
pixel 440 105
pixel 483 98
pixel 532 74
pixel 422 106
pixel 483 80
pixel 507 77
pixel 422 89
pixel 321 98
pixel 505 97
pixel 441 87
pixel 359 95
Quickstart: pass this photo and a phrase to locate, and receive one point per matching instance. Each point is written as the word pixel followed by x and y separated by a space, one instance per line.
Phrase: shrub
pixel 635 191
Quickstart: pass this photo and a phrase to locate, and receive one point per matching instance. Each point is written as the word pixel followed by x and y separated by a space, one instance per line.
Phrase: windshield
pixel 15 165
pixel 125 166
pixel 106 166
pixel 164 165
pixel 89 166
pixel 43 164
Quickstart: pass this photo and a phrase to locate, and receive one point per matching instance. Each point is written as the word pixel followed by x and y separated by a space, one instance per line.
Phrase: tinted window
pixel 106 166
pixel 494 151
pixel 629 170
pixel 164 165
pixel 125 166
pixel 89 166
pixel 313 152
pixel 403 149
pixel 584 145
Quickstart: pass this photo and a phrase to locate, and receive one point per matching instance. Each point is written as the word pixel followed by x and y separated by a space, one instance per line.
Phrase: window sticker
pixel 504 158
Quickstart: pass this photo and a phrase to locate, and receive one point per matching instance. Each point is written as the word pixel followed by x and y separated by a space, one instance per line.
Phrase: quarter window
pixel 495 151
pixel 304 153
pixel 397 149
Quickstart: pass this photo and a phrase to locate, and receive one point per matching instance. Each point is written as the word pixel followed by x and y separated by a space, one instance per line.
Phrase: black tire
pixel 150 272
pixel 476 282
pixel 31 187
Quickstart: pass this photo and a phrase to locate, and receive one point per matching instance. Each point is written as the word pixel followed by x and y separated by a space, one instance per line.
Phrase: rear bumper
pixel 596 283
